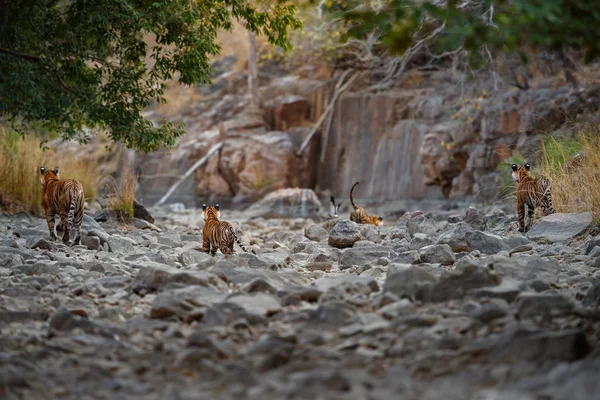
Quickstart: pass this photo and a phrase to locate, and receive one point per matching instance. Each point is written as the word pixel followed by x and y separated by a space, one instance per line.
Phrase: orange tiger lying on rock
pixel 218 235
pixel 66 199
pixel 360 216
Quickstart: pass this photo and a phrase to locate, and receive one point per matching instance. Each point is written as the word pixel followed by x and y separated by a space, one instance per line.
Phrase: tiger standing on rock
pixel 360 216
pixel 65 198
pixel 218 235
pixel 531 192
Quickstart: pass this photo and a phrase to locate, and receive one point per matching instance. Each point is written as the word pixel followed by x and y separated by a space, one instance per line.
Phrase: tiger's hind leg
pixel 529 222
pixel 51 226
pixel 65 224
pixel 521 215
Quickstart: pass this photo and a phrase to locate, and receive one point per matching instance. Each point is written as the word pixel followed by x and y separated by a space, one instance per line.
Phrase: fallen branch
pixel 189 172
pixel 339 90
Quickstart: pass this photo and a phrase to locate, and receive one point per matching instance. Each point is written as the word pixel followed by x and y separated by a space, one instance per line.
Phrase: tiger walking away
pixel 531 193
pixel 218 235
pixel 360 216
pixel 65 198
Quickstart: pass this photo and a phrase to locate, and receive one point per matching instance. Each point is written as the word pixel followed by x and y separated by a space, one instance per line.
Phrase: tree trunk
pixel 252 71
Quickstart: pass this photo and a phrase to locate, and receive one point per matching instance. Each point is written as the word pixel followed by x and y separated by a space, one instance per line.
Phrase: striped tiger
pixel 360 216
pixel 218 235
pixel 531 193
pixel 65 198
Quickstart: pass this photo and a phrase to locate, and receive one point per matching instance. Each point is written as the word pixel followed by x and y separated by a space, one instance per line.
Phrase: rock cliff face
pixel 424 137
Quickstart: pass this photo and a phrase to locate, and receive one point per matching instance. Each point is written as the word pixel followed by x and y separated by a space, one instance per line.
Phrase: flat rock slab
pixel 560 227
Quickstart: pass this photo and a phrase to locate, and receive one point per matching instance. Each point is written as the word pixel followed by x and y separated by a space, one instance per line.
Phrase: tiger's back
pixel 65 198
pixel 360 215
pixel 216 234
pixel 532 193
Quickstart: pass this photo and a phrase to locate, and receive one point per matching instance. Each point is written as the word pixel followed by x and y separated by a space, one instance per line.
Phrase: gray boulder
pixel 560 227
pixel 437 253
pixel 344 234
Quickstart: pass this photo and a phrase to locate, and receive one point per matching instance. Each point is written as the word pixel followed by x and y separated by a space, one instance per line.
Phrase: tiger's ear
pixel 42 170
pixel 217 206
pixel 527 166
pixel 203 207
pixel 380 218
pixel 514 167
pixel 56 170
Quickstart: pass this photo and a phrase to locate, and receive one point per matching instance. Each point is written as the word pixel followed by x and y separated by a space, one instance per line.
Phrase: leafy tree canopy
pixel 479 26
pixel 70 64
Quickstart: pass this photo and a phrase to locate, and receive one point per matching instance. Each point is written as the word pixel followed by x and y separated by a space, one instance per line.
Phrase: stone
pixel 423 223
pixel 287 203
pixel 486 243
pixel 488 312
pixel 153 278
pixel 363 255
pixel 121 245
pixel 591 244
pixel 259 303
pixel 91 242
pixel 437 253
pixel 315 233
pixel 190 257
pixel 475 218
pixel 560 227
pixel 100 234
pixel 171 239
pixel 455 284
pixel 344 234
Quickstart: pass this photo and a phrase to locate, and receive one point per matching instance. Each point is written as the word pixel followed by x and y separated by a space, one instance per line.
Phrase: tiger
pixel 65 198
pixel 360 216
pixel 218 235
pixel 531 192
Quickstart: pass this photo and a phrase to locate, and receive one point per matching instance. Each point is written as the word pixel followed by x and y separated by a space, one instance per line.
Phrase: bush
pixel 573 166
pixel 122 196
pixel 21 159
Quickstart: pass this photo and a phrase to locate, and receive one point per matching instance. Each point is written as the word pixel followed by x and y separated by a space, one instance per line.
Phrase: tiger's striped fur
pixel 65 198
pixel 531 193
pixel 218 235
pixel 360 216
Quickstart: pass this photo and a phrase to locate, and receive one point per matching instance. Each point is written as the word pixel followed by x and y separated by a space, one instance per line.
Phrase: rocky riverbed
pixel 431 306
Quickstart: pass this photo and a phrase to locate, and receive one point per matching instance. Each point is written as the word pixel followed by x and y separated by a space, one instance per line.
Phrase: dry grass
pixel 122 195
pixel 22 157
pixel 573 165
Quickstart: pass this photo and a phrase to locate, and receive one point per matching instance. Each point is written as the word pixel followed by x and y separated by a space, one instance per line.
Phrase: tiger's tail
pixel 239 242
pixel 352 198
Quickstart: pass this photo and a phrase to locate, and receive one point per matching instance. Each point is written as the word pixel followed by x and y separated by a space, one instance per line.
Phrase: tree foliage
pixel 482 26
pixel 70 64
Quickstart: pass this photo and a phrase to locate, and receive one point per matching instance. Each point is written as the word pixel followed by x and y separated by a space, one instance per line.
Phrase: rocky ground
pixel 434 305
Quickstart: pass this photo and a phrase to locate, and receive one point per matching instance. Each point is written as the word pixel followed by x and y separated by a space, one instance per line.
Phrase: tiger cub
pixel 360 216
pixel 218 235
pixel 65 198
pixel 531 193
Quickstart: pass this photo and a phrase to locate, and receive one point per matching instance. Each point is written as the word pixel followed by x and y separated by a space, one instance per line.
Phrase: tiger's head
pixel 520 172
pixel 211 212
pixel 375 220
pixel 48 174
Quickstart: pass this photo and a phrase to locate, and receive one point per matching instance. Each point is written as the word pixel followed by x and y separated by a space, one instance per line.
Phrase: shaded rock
pixel 420 240
pixel 423 223
pixel 363 255
pixel 43 244
pixel 142 224
pixel 91 242
pixel 100 234
pixel 412 282
pixel 224 313
pixel 592 297
pixel 567 345
pixel 560 227
pixel 326 283
pixel 591 244
pixel 152 278
pixel 475 218
pixel 547 304
pixel 188 303
pixel 9 317
pixel 8 260
pixel 287 203
pixel 437 253
pixel 140 212
pixel 457 283
pixel 508 290
pixel 489 312
pixel 65 321
pixel 315 233
pixel 344 234
pixel 171 239
pixel 397 308
pixel 486 243
pixel 269 353
pixel 457 238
